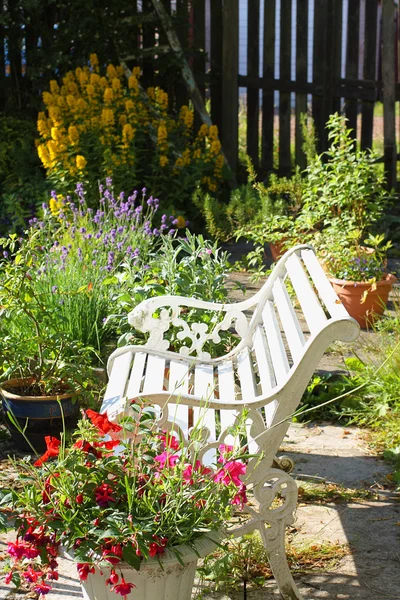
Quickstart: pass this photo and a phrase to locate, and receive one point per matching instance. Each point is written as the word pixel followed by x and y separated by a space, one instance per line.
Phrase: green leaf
pixel 130 556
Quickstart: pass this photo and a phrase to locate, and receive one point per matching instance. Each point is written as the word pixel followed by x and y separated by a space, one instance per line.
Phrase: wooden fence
pixel 209 33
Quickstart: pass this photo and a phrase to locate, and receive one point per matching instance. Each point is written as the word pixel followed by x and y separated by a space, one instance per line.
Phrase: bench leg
pixel 276 552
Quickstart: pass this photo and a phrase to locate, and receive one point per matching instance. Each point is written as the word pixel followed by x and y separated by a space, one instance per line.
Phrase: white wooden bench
pixel 266 373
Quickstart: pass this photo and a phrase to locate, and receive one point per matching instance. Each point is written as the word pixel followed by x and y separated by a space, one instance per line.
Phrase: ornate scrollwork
pixel 197 333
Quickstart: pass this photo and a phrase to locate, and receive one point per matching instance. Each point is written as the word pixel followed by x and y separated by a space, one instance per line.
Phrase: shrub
pixel 97 126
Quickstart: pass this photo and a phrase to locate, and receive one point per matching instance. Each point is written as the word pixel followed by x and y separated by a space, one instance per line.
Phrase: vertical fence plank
pixel 199 44
pixel 14 54
pixel 369 72
pixel 253 94
pixel 285 163
pixel 148 29
pixel 230 92
pixel 182 26
pixel 318 71
pixel 337 50
pixel 267 142
pixel 301 75
pixel 3 82
pixel 216 62
pixel 388 80
pixel 353 28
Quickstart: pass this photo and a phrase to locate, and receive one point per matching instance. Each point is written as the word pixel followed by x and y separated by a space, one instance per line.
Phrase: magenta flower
pixel 167 459
pixel 230 473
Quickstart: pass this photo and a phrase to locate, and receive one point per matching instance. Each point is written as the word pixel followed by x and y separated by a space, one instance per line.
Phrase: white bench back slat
pixel 290 323
pixel 275 343
pixel 204 387
pixel 136 375
pixel 309 302
pixel 115 392
pixel 179 384
pixel 246 376
pixel 261 351
pixel 325 290
pixel 154 379
pixel 226 387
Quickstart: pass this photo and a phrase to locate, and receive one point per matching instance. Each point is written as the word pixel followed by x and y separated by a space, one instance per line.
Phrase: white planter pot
pixel 172 581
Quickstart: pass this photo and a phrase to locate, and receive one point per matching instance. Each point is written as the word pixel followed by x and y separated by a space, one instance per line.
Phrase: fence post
pixel 388 79
pixel 230 92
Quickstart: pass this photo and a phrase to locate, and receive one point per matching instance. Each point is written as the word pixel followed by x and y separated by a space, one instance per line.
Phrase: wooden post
pixel 369 72
pixel 353 28
pixel 267 141
pixel 285 163
pixel 230 90
pixel 388 80
pixel 216 62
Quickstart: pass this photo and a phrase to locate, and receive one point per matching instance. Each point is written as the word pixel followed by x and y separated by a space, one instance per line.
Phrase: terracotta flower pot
pixel 277 249
pixel 42 415
pixel 361 301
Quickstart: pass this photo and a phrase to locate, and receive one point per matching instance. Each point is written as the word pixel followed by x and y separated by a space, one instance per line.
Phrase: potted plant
pixel 38 361
pixel 133 520
pixel 357 272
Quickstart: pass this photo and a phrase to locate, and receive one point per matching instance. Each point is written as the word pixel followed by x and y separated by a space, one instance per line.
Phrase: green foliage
pixel 22 183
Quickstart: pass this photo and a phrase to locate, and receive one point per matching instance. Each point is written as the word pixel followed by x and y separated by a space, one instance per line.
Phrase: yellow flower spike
pixel 54 113
pixel 42 128
pixel 122 120
pixel 163 161
pixel 181 222
pixel 44 155
pixel 120 71
pixel 186 157
pixel 73 134
pixel 203 131
pixel 72 87
pixel 56 134
pixel 108 95
pixel 116 84
pixel 78 72
pixel 90 90
pixel 94 61
pixel 136 72
pixel 111 71
pixel 215 147
pixel 107 117
pixel 103 82
pixel 71 101
pixel 81 105
pixel 213 132
pixel 81 162
pixel 129 105
pixel 95 78
pixel 47 98
pixel 54 87
pixel 83 78
pixel 128 132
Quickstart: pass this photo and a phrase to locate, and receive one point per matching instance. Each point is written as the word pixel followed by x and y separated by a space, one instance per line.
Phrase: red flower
pixel 113 555
pixel 53 448
pixel 113 579
pixel 21 550
pixel 124 588
pixel 158 546
pixel 101 422
pixel 8 577
pixel 169 441
pixel 31 575
pixel 79 499
pixel 42 588
pixel 103 495
pixel 83 570
pixel 240 499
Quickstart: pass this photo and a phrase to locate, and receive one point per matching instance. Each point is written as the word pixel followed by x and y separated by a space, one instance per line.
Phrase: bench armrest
pixel 171 311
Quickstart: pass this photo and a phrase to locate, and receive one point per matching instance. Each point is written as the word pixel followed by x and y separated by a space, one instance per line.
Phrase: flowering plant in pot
pixel 357 271
pixel 38 361
pixel 120 511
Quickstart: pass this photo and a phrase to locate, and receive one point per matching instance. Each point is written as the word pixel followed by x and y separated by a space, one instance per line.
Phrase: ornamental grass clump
pixel 114 508
pixel 97 125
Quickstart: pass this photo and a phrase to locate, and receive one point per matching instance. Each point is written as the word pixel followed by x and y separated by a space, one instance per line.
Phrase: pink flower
pixel 124 588
pixel 83 570
pixel 21 550
pixel 31 575
pixel 224 450
pixel 166 459
pixel 198 468
pixel 8 577
pixel 230 473
pixel 240 499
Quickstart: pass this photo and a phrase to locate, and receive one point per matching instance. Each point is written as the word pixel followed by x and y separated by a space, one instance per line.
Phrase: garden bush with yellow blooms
pixel 97 125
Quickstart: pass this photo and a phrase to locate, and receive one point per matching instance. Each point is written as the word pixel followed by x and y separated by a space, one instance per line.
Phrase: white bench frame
pixel 267 373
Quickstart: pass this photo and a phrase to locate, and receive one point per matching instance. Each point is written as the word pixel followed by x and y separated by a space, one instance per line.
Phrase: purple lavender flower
pixel 82 230
pixel 156 232
pixel 89 236
pixel 5 254
pixel 54 288
pixel 53 194
pixel 94 262
pixel 80 254
pixel 44 206
pixel 120 229
pixel 120 246
pixel 109 182
pixel 56 243
pixel 171 231
pixel 111 257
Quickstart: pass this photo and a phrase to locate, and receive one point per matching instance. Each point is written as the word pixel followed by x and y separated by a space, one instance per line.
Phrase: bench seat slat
pixel 290 323
pixel 308 299
pixel 325 290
